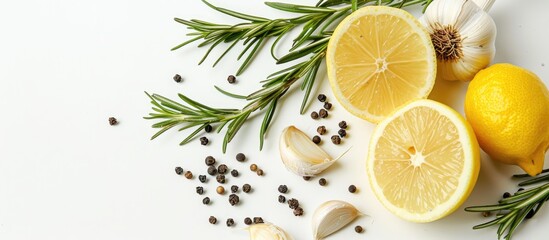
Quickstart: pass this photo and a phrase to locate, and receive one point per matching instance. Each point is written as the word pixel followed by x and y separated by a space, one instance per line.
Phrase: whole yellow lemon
pixel 508 108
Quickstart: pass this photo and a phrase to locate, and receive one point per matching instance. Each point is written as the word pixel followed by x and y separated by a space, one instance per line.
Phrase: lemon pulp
pixel 423 161
pixel 378 59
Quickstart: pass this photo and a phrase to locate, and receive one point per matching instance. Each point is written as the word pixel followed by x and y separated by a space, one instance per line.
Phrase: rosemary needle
pixel 317 23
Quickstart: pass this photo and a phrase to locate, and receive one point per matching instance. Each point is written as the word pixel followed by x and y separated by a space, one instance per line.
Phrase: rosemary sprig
pixel 194 114
pixel 255 30
pixel 317 23
pixel 513 210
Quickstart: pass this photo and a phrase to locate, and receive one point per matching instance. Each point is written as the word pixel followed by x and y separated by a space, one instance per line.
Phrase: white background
pixel 67 66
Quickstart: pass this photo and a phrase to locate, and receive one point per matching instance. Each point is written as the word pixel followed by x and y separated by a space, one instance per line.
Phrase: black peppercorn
pixel 298 211
pixel 258 220
pixel 321 97
pixel 246 188
pixel 178 170
pixel 188 174
pixel 336 139
pixel 234 188
pixel 204 141
pixel 342 132
pixel 209 160
pixel 321 130
pixel 231 79
pixel 352 188
pixel 506 195
pixel 177 78
pixel 234 199
pixel 306 178
pixel 327 106
pixel 530 214
pixel 240 157
pixel 212 170
pixel 200 190
pixel 342 124
pixel 222 169
pixel 259 172
pixel 234 173
pixel 323 113
pixel 230 222
pixel 208 128
pixel 293 203
pixel 316 139
pixel 314 115
pixel 220 178
pixel 359 229
pixel 281 199
pixel 322 182
pixel 202 178
pixel 206 201
pixel 282 189
pixel 113 121
pixel 247 221
pixel 486 214
pixel 212 220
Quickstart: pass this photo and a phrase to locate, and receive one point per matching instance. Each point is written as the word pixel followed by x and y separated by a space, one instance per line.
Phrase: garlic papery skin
pixel 300 155
pixel 332 216
pixel 267 231
pixel 485 4
pixel 463 35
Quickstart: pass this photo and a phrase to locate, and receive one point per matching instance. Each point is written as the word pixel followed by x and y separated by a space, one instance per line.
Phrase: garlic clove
pixel 267 231
pixel 300 155
pixel 332 216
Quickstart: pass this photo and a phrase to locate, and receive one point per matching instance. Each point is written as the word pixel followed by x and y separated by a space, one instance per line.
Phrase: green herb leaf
pixel 230 94
pixel 266 122
pixel 354 5
pixel 237 14
pixel 298 8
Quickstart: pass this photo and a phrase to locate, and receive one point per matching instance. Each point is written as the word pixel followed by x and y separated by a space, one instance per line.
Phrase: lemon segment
pixel 423 161
pixel 378 59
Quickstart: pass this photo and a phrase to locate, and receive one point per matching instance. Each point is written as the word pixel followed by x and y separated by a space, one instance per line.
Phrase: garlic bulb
pixel 484 4
pixel 267 231
pixel 463 35
pixel 300 155
pixel 332 216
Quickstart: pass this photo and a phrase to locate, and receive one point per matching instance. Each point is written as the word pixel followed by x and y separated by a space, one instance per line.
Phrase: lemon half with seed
pixel 378 59
pixel 423 161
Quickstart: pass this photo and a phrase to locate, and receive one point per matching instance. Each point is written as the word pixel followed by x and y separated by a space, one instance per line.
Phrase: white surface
pixel 66 66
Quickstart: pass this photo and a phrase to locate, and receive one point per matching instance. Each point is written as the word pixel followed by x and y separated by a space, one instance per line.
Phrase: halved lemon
pixel 423 161
pixel 378 59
